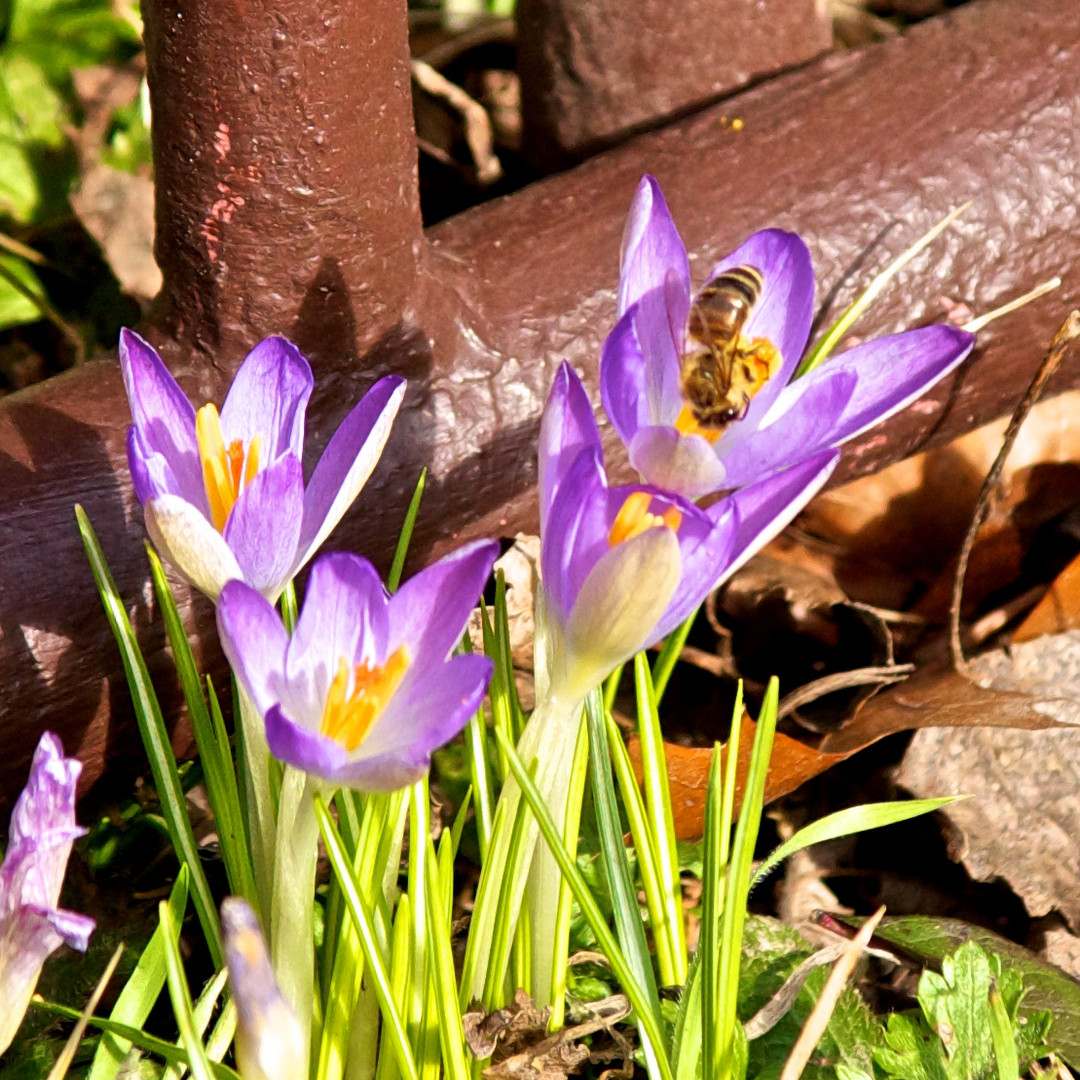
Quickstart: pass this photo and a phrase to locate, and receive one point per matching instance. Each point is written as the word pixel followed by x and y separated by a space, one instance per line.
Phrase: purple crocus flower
pixel 224 495
pixel 786 420
pixel 622 566
pixel 362 692
pixel 31 925
pixel 269 1038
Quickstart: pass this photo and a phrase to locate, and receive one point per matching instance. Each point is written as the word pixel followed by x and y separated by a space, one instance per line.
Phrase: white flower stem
pixel 292 922
pixel 259 800
pixel 547 742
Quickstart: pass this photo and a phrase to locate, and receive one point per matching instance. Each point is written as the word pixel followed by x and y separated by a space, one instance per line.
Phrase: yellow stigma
pixel 634 517
pixel 227 470
pixel 348 715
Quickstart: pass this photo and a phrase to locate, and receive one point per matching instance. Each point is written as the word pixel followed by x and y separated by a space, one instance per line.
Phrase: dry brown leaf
pixel 117 210
pixel 793 763
pixel 1023 819
pixel 1058 610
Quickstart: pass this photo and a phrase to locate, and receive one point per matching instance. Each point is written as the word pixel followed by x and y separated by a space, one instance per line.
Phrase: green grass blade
pixel 216 757
pixel 373 959
pixel 833 335
pixel 712 904
pixel 393 579
pixel 180 996
pixel 164 1049
pixel 855 819
pixel 641 833
pixel 611 687
pixel 688 1039
pixel 476 753
pixel 290 611
pixel 669 655
pixel 637 996
pixel 738 877
pixel 441 957
pixel 504 654
pixel 661 817
pixel 155 739
pixel 141 990
pixel 1001 1034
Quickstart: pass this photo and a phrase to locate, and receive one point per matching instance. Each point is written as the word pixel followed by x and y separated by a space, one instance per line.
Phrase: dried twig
pixel 819 1016
pixel 477 122
pixel 843 680
pixel 1069 332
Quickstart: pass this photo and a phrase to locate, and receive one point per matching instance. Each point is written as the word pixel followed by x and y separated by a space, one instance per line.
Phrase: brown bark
pixel 981 105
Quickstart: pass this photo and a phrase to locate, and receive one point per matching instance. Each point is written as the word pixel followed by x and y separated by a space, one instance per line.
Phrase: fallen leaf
pixel 117 209
pixel 1023 819
pixel 1058 610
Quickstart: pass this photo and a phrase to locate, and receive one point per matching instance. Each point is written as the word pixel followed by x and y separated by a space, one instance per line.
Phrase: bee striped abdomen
pixel 720 371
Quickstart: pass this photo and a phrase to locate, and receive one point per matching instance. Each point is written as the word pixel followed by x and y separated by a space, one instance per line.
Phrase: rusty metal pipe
pixel 981 105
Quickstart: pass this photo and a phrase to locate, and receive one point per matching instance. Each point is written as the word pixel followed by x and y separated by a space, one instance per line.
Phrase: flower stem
pixel 292 924
pixel 258 799
pixel 548 741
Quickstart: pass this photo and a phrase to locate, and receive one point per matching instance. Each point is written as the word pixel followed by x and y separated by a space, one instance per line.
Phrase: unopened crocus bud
pixel 269 1040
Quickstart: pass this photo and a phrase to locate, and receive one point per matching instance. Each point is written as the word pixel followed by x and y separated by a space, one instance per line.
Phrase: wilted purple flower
pixel 362 692
pixel 621 567
pixel 224 495
pixel 270 1043
pixel 785 420
pixel 31 925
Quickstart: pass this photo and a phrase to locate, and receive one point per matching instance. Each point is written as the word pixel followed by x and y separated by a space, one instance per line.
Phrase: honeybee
pixel 721 371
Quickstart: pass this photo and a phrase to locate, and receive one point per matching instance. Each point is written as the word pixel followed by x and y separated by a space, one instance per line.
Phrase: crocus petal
pixel 187 541
pixel 685 464
pixel 568 426
pixel 270 1043
pixel 263 528
pixel 347 462
pixel 450 588
pixel 618 606
pixel 268 399
pixel 651 247
pixel 763 510
pixel 254 640
pixel 302 747
pixel 802 422
pixel 576 532
pixel 164 416
pixel 623 379
pixel 891 372
pixel 785 310
pixel 418 720
pixel 704 565
pixel 345 615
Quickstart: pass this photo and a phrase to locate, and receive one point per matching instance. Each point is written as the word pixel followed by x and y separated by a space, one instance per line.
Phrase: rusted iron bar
pixel 593 72
pixel 982 105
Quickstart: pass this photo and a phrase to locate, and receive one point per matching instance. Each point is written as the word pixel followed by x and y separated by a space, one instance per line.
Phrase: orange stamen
pixel 634 518
pixel 226 471
pixel 686 424
pixel 348 715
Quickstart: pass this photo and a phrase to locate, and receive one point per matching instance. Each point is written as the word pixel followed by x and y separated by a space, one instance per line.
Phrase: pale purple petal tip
pixel 892 372
pixel 347 462
pixel 430 610
pixel 651 247
pixel 164 416
pixel 268 399
pixel 568 427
